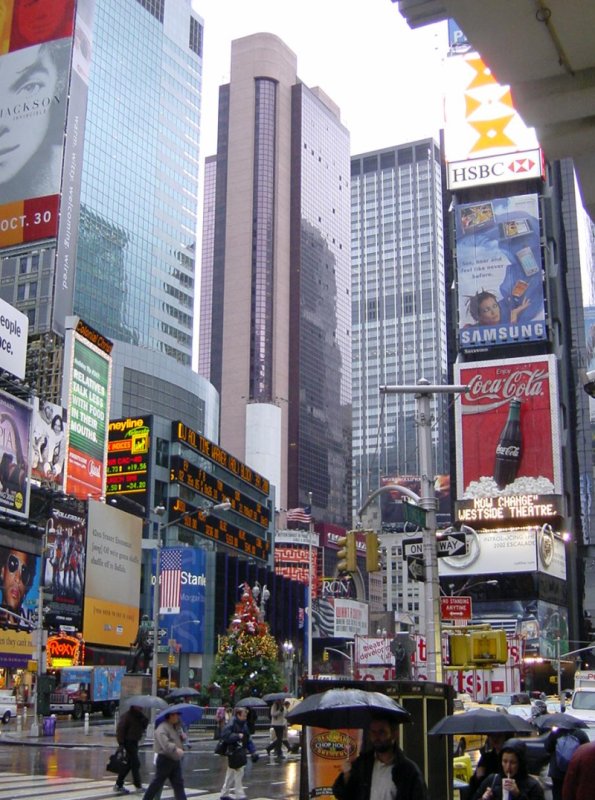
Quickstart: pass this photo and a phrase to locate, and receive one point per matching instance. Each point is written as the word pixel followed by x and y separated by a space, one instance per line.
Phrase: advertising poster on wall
pixel 14 330
pixel 86 393
pixel 19 583
pixel 328 751
pixel 186 627
pixel 34 83
pixel 499 272
pixel 15 427
pixel 112 576
pixel 507 429
pixel 128 458
pixel 49 439
pixel 391 502
pixel 64 569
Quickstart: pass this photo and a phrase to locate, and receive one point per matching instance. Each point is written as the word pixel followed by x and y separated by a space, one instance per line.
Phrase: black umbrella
pixel 346 708
pixel 481 720
pixel 144 701
pixel 274 697
pixel 182 691
pixel 559 719
pixel 251 702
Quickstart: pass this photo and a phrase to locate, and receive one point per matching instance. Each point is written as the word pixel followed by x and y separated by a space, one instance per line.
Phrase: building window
pixel 196 34
pixel 154 7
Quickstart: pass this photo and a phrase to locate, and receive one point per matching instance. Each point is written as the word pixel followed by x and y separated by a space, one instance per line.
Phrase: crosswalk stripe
pixel 14 786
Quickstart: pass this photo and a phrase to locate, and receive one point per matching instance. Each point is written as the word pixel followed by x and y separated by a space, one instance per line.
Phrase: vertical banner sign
pixel 499 272
pixel 49 439
pixel 15 466
pixel 36 42
pixel 19 576
pixel 507 429
pixel 187 625
pixel 67 239
pixel 86 389
pixel 64 569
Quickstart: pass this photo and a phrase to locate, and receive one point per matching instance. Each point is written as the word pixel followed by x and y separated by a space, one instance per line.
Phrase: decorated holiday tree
pixel 247 662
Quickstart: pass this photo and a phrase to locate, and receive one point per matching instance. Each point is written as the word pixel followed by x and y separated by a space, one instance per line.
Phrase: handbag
pixel 118 761
pixel 221 748
pixel 237 758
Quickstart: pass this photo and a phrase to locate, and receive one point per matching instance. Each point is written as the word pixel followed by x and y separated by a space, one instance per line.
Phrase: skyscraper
pixel 278 277
pixel 399 308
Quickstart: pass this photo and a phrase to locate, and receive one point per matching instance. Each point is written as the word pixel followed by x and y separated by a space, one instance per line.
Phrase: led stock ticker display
pixel 220 530
pixel 218 491
pixel 128 457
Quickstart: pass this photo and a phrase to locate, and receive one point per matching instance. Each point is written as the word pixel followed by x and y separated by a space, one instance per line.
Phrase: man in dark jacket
pixel 131 728
pixel 375 773
pixel 556 771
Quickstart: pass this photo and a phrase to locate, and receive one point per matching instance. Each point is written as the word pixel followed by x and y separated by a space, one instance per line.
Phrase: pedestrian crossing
pixel 54 787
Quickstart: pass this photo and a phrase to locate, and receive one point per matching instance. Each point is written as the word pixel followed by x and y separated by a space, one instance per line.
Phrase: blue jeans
pixel 164 769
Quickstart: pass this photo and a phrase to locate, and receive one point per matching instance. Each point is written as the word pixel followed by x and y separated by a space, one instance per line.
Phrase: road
pixel 71 766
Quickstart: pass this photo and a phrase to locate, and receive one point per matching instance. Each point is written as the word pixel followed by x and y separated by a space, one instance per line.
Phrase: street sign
pixel 413 547
pixel 453 544
pixel 162 632
pixel 455 608
pixel 415 569
pixel 414 514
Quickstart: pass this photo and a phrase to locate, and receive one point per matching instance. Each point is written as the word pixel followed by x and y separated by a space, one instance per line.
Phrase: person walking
pixel 558 763
pixel 129 732
pixel 279 726
pixel 169 749
pixel 382 771
pixel 513 779
pixel 579 781
pixel 236 736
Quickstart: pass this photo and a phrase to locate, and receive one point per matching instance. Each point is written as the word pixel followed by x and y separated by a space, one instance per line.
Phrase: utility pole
pixel 423 392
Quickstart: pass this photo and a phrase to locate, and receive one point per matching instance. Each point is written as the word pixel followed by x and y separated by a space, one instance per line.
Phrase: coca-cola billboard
pixel 507 429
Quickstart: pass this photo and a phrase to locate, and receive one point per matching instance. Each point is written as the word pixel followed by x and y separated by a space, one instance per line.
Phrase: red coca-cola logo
pixel 518 384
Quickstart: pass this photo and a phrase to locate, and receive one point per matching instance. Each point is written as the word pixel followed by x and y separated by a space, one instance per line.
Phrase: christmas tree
pixel 247 662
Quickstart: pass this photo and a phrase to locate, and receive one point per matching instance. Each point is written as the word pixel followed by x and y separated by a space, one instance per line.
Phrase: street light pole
pixel 423 392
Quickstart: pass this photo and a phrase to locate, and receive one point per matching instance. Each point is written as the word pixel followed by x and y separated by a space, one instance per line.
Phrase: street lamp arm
pixel 225 506
pixel 580 650
pixel 392 487
pixel 341 653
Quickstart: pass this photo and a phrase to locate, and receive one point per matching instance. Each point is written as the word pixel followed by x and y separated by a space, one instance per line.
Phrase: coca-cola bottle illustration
pixel 508 449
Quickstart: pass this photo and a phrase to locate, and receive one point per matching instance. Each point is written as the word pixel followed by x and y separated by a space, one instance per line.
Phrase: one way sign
pixel 454 544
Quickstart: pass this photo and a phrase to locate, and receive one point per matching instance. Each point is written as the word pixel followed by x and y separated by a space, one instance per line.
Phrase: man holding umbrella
pixel 378 773
pixel 131 728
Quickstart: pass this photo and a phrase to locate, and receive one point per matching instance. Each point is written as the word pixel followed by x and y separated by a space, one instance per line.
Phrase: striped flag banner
pixel 299 514
pixel 171 579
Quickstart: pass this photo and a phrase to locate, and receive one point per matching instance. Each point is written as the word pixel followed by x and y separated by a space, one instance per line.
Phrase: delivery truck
pixel 582 702
pixel 87 689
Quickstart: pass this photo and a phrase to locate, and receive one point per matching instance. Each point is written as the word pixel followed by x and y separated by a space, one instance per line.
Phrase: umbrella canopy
pixel 144 701
pixel 188 712
pixel 251 702
pixel 481 720
pixel 346 708
pixel 182 691
pixel 274 697
pixel 559 719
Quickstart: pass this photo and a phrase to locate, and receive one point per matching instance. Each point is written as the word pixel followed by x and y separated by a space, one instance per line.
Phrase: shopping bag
pixel 117 761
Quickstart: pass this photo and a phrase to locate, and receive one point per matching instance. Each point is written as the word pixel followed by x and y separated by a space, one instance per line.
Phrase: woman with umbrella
pixel 512 780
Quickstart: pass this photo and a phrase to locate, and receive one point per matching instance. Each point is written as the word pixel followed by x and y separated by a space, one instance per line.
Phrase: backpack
pixel 565 747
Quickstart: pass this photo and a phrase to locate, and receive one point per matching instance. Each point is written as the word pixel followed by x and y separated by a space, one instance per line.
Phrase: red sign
pixel 453 608
pixel 507 429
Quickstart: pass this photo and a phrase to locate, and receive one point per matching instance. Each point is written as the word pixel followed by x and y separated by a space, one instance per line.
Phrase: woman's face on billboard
pixel 28 80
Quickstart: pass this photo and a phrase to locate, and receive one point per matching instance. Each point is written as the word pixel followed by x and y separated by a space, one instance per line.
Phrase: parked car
pixel 8 705
pixel 507 699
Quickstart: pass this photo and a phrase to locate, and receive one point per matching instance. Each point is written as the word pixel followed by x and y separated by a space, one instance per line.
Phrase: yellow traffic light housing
pixel 347 553
pixel 459 650
pixel 325 654
pixel 489 647
pixel 372 552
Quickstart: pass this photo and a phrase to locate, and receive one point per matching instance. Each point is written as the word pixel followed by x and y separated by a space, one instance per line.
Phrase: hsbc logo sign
pixel 495 169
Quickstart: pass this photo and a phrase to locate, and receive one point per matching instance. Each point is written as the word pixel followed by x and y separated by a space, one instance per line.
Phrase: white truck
pixel 582 703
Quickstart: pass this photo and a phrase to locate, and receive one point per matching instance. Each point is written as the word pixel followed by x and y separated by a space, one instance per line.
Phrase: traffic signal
pixel 372 552
pixel 489 647
pixel 459 650
pixel 347 553
pixel 325 654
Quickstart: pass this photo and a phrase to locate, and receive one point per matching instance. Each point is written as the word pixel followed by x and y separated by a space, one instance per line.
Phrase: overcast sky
pixel 385 78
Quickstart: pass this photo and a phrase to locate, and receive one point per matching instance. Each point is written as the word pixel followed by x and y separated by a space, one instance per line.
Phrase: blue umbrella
pixel 188 712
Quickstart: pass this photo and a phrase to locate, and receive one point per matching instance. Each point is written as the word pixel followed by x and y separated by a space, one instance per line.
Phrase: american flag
pixel 299 514
pixel 171 575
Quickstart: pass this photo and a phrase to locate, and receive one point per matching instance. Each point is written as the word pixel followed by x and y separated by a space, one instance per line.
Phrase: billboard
pixel 495 169
pixel 129 458
pixel 499 272
pixel 14 329
pixel 19 583
pixel 391 503
pixel 34 84
pixel 498 459
pixel 479 113
pixel 86 393
pixel 49 437
pixel 15 427
pixel 494 552
pixel 64 569
pixel 187 626
pixel 112 576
